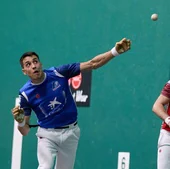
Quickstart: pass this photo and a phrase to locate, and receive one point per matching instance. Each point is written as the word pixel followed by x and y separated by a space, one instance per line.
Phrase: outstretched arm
pixel 101 59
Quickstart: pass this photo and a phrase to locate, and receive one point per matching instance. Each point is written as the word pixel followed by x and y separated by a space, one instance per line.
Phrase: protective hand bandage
pixel 114 52
pixel 21 124
pixel 167 120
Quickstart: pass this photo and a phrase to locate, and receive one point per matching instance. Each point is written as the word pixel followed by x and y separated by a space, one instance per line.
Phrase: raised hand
pixel 123 45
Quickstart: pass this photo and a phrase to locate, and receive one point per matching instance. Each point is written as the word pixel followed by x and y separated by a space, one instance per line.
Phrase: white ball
pixel 154 17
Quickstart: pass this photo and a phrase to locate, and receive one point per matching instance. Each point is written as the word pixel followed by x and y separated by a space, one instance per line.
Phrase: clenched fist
pixel 123 45
pixel 18 114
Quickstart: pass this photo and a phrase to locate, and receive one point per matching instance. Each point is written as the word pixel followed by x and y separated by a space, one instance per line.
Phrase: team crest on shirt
pixel 37 96
pixel 55 85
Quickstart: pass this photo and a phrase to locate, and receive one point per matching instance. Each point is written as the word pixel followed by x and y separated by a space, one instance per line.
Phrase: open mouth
pixel 35 72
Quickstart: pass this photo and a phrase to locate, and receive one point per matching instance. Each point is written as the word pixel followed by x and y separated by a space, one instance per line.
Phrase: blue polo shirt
pixel 52 99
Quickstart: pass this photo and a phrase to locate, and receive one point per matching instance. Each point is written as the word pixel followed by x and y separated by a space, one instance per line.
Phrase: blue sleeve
pixel 24 104
pixel 69 70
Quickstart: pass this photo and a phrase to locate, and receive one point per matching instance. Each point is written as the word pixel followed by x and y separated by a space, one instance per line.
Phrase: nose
pixel 33 66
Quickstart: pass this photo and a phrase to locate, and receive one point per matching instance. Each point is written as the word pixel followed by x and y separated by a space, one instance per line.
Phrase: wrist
pixel 114 52
pixel 21 124
pixel 167 120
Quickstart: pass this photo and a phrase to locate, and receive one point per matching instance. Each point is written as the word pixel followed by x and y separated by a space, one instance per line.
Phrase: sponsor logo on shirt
pixel 53 103
pixel 55 85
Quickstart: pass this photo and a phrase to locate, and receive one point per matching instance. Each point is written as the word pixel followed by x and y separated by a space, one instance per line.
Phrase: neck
pixel 40 79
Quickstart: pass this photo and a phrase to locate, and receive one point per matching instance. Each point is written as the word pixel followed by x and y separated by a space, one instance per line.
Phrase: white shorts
pixel 163 154
pixel 57 145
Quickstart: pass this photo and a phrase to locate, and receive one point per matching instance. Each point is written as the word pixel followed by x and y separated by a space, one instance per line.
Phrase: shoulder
pixel 25 86
pixel 166 89
pixel 167 85
pixel 52 71
pixel 49 69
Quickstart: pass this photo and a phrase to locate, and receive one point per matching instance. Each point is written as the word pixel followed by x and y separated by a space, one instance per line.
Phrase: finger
pixel 123 40
pixel 118 46
pixel 126 44
pixel 21 110
pixel 16 111
pixel 129 43
pixel 15 108
pixel 123 47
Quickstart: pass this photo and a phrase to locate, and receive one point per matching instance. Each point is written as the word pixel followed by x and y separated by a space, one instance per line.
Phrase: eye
pixel 27 64
pixel 35 61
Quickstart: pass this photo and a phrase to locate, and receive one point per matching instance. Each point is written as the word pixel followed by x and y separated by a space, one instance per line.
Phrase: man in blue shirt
pixel 47 93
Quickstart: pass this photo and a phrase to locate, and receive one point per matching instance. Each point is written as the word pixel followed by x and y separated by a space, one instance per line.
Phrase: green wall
pixel 123 92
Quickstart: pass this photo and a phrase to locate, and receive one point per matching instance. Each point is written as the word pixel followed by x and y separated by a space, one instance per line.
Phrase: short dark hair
pixel 25 55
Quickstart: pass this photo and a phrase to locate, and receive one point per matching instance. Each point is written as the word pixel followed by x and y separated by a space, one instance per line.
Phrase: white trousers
pixel 57 146
pixel 163 154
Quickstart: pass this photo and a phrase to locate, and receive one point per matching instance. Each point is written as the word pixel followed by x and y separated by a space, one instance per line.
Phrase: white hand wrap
pixel 114 52
pixel 167 120
pixel 21 124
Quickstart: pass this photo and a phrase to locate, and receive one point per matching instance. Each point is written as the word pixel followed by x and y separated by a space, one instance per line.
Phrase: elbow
pixel 94 65
pixel 153 108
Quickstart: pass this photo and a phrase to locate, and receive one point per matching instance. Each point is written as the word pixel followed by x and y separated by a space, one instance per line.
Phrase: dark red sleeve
pixel 166 90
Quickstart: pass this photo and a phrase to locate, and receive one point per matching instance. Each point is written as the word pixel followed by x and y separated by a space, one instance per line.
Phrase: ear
pixel 24 72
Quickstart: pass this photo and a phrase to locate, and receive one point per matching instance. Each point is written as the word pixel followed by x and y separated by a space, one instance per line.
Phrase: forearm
pixel 101 59
pixel 160 111
pixel 97 61
pixel 24 130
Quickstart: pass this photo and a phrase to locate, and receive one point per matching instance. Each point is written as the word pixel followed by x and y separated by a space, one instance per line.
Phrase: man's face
pixel 33 68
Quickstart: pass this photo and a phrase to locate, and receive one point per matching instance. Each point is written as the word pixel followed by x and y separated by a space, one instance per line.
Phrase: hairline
pixel 27 54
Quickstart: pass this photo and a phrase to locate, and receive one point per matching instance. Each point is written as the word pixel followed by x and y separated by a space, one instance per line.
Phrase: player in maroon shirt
pixel 161 108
